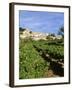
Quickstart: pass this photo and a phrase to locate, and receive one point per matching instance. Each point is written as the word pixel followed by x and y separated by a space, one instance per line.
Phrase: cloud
pixel 41 21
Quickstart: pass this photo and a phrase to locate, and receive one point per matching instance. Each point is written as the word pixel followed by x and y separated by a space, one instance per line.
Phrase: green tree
pixel 30 32
pixel 61 31
pixel 48 37
pixel 21 30
pixel 52 34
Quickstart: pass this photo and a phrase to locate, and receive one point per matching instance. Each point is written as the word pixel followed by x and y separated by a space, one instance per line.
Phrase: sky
pixel 41 21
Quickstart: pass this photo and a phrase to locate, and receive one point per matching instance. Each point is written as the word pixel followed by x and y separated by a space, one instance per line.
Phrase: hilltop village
pixel 26 33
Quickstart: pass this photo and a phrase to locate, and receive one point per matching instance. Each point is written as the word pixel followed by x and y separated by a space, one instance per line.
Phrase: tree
pixel 22 29
pixel 52 34
pixel 30 32
pixel 61 31
pixel 48 37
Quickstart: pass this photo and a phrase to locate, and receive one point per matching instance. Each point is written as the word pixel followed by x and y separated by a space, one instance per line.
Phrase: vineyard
pixel 37 58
